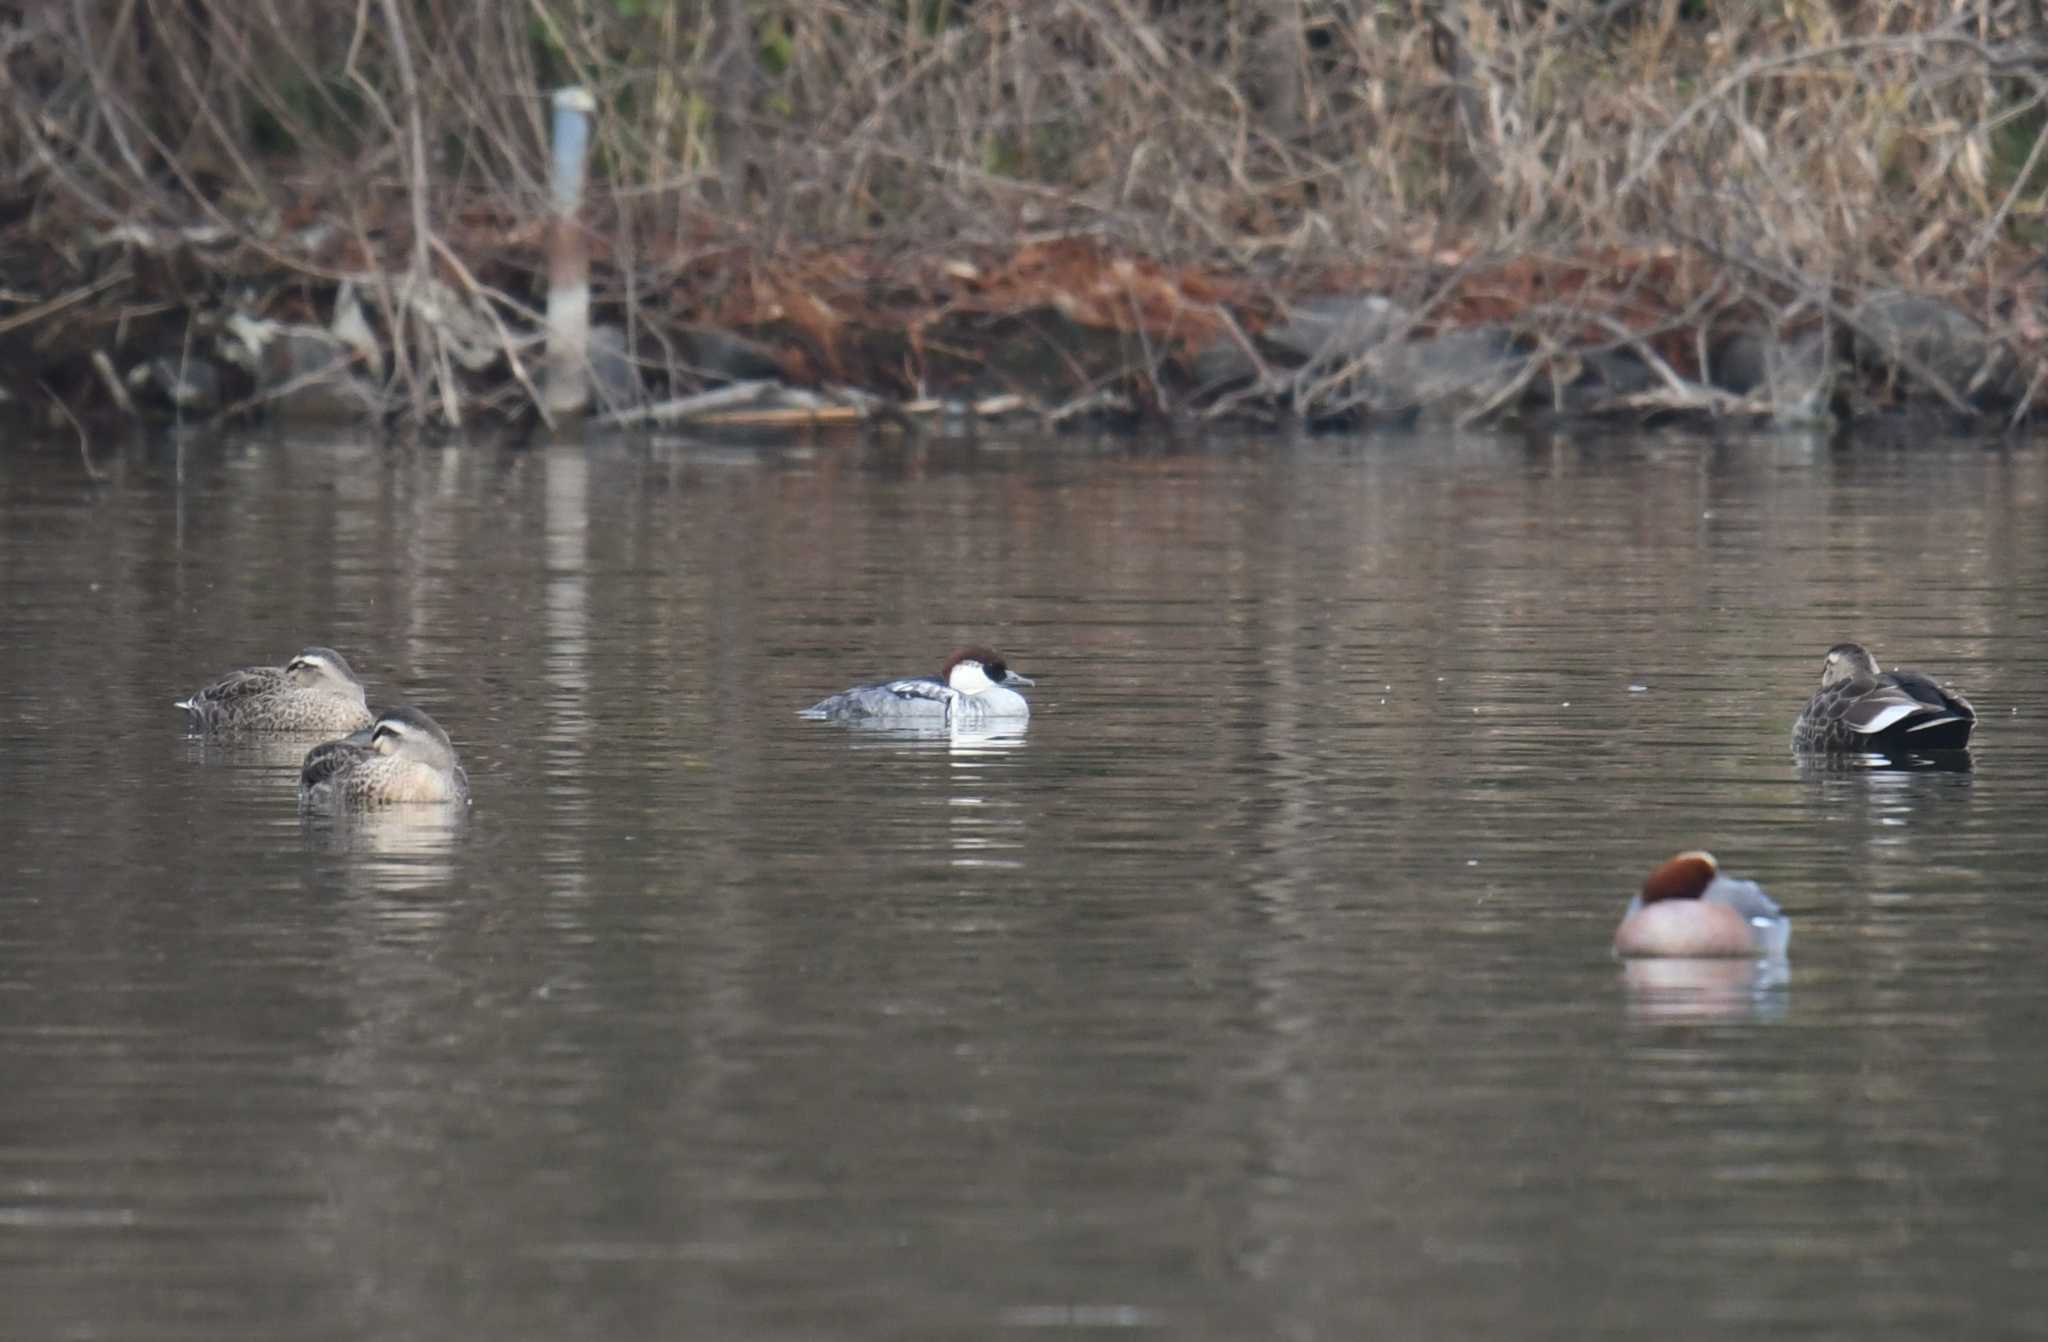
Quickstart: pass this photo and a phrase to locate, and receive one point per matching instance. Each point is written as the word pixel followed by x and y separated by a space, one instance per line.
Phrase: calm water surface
pixel 1260 989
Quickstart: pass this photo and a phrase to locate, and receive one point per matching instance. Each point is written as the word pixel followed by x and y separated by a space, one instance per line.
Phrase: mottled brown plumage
pixel 404 757
pixel 315 692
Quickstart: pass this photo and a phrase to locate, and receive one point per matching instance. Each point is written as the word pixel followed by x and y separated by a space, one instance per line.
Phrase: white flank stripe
pixel 1887 718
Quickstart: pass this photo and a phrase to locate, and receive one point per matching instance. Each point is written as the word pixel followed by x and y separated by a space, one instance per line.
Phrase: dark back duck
pixel 1861 708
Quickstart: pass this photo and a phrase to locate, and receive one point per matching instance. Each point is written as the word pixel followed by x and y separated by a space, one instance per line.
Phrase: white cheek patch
pixel 1886 718
pixel 970 678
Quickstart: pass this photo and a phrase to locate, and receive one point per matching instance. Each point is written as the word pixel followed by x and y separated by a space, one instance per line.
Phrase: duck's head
pixel 321 669
pixel 1847 661
pixel 972 670
pixel 1685 876
pixel 409 733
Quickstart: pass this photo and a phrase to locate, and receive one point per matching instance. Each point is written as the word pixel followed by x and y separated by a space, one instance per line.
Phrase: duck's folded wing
pixel 920 687
pixel 1768 925
pixel 861 701
pixel 1923 688
pixel 329 758
pixel 1887 706
pixel 1745 897
pixel 237 686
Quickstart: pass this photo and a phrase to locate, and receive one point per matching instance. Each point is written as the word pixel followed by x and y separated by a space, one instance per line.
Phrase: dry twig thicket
pixel 853 183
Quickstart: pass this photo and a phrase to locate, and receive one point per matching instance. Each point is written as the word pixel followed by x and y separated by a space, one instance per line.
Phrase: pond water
pixel 1259 989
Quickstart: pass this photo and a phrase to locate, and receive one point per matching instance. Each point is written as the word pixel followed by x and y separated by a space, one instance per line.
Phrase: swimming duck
pixel 972 688
pixel 1689 909
pixel 1862 709
pixel 403 757
pixel 313 692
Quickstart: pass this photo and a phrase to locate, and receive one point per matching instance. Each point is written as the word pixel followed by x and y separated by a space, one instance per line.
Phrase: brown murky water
pixel 1260 989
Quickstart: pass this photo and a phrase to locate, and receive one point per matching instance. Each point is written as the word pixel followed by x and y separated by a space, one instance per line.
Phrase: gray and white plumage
pixel 403 757
pixel 973 687
pixel 1862 709
pixel 315 691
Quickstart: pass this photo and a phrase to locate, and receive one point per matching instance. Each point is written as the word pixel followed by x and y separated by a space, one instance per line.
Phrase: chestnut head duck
pixel 1862 709
pixel 1689 909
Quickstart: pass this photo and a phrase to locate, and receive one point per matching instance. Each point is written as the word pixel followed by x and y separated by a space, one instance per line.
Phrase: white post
pixel 566 391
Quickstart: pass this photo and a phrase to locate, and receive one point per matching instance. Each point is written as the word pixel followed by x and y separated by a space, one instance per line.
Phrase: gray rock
pixel 1337 328
pixel 722 356
pixel 1221 362
pixel 300 372
pixel 1736 363
pixel 308 376
pixel 614 377
pixel 1893 326
pixel 1447 374
pixel 1603 376
pixel 1795 376
pixel 187 383
pixel 1799 379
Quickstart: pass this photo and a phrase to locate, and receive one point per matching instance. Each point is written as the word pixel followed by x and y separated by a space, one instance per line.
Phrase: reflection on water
pixel 965 742
pixel 1261 989
pixel 394 848
pixel 1703 991
pixel 264 754
pixel 1939 761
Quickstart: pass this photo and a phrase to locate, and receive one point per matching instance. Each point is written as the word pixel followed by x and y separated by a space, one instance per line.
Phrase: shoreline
pixel 1172 212
pixel 1060 330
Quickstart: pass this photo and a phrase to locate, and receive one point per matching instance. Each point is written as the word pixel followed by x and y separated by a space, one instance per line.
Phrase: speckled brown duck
pixel 403 757
pixel 314 692
pixel 1862 709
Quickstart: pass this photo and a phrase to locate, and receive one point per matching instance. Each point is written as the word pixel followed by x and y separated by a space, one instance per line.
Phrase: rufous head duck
pixel 1687 908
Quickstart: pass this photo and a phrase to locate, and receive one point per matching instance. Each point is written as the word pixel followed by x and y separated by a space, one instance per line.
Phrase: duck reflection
pixel 985 820
pixel 392 849
pixel 1812 766
pixel 255 753
pixel 965 741
pixel 1701 991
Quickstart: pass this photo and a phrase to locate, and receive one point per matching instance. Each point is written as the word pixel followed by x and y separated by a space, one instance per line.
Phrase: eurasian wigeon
pixel 1689 909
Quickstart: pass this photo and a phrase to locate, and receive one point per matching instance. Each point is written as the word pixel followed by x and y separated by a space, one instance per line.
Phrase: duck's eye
pixel 996 670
